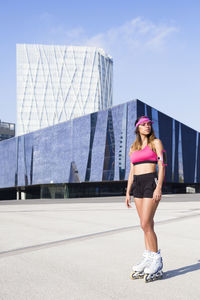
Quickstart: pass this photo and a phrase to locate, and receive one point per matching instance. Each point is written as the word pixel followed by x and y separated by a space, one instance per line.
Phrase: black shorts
pixel 144 185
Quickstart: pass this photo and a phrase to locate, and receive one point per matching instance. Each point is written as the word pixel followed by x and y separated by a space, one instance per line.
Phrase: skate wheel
pixel 160 275
pixel 146 278
pixel 149 278
pixel 132 276
pixel 135 275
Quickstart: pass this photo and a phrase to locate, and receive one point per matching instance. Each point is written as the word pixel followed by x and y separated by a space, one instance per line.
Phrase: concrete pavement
pixel 85 248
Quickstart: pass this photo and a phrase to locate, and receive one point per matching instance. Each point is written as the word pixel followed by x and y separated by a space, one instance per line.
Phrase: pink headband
pixel 142 120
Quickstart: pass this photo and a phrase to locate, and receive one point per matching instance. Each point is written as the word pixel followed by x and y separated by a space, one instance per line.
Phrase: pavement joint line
pixel 87 210
pixel 32 248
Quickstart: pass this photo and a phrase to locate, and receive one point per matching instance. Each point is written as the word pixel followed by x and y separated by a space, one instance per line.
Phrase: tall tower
pixel 59 83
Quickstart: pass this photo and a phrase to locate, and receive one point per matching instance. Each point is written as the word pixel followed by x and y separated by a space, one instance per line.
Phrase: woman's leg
pixel 147 223
pixel 146 209
pixel 139 206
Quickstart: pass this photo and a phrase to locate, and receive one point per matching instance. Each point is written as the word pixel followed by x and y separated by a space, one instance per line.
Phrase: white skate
pixel 154 270
pixel 138 270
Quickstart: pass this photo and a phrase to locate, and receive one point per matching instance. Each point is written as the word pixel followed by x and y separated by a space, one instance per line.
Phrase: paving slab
pixel 85 249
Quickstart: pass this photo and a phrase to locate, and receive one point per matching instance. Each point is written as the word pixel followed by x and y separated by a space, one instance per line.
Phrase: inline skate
pixel 138 270
pixel 154 270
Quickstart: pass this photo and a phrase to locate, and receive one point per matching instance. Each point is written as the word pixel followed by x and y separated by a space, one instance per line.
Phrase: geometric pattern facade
pixel 59 83
pixel 95 147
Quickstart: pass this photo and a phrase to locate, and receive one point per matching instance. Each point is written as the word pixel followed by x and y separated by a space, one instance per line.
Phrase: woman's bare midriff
pixel 144 168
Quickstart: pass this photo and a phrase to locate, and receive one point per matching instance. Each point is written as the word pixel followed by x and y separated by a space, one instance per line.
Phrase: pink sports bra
pixel 145 155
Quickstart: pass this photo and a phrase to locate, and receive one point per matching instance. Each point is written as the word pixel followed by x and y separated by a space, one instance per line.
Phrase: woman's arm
pixel 129 185
pixel 161 169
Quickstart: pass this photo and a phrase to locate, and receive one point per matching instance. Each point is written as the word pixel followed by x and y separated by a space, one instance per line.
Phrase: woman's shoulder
pixel 156 142
pixel 131 151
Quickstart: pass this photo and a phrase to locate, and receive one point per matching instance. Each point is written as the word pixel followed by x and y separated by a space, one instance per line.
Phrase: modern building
pixel 59 83
pixel 88 156
pixel 7 130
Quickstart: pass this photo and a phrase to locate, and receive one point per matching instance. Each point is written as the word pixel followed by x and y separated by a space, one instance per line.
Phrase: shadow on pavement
pixel 181 271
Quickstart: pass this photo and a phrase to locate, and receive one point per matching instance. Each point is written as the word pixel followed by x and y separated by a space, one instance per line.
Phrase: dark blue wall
pixel 185 151
pixel 95 147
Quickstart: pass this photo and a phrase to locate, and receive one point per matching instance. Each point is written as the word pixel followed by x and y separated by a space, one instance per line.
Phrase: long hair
pixel 137 144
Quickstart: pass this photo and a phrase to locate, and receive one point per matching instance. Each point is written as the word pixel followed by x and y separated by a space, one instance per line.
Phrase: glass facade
pixel 94 149
pixel 173 149
pixel 180 157
pixel 7 130
pixel 59 83
pixel 109 156
pixel 197 144
pixel 123 144
pixel 198 160
pixel 93 122
pixel 155 124
pixel 179 141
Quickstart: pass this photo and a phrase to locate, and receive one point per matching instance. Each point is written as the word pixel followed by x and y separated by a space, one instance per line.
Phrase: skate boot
pixel 154 270
pixel 138 270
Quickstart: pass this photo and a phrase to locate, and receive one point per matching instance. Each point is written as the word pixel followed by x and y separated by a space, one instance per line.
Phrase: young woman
pixel 145 153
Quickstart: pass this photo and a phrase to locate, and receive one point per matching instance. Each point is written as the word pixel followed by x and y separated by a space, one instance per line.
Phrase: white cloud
pixel 160 37
pixel 134 34
pixel 74 35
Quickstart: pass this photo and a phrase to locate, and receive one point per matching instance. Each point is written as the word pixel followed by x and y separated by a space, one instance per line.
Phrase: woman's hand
pixel 157 194
pixel 128 201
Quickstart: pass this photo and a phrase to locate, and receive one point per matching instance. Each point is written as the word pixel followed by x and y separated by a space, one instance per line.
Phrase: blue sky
pixel 155 47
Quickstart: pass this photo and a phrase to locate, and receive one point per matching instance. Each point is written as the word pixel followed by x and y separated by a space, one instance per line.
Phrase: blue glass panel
pixel 145 109
pixel 155 120
pixel 117 116
pixel 109 155
pixel 176 176
pixel 122 146
pixel 173 149
pixel 149 113
pixel 188 136
pixel 197 143
pixel 99 147
pixel 131 118
pixel 140 109
pixel 198 160
pixel 93 121
pixel 180 157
